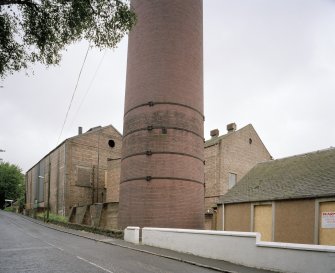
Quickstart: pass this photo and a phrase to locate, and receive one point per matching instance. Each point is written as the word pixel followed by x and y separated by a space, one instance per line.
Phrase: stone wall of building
pixel 235 153
pixel 86 165
pixel 113 179
pixel 81 156
pixel 78 171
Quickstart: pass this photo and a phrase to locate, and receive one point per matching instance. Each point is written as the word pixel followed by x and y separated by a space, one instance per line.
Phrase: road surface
pixel 28 247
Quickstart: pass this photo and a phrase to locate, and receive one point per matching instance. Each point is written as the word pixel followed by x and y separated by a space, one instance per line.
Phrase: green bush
pixel 57 218
pixel 52 217
pixel 11 181
pixel 10 209
pixel 63 221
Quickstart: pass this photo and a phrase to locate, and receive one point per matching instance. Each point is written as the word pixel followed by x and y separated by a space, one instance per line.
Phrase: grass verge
pixel 63 221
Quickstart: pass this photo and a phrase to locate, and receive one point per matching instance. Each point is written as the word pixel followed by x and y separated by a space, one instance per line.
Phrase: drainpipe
pixel 49 177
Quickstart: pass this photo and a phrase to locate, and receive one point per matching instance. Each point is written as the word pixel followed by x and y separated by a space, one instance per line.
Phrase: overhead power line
pixel 74 92
pixel 89 87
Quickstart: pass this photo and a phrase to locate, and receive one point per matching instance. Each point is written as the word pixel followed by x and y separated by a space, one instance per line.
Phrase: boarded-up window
pixel 84 176
pixel 232 180
pixel 263 221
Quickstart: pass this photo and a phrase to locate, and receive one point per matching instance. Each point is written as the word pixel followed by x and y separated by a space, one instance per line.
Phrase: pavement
pixel 205 263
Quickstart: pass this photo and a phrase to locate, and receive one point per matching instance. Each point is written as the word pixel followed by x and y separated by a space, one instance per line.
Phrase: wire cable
pixel 74 92
pixel 89 87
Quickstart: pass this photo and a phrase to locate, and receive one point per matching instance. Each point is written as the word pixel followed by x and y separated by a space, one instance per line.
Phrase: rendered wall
pixel 132 235
pixel 244 248
pixel 162 169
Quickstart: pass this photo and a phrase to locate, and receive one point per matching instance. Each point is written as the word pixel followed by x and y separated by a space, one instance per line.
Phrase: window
pixel 232 180
pixel 83 176
pixel 111 143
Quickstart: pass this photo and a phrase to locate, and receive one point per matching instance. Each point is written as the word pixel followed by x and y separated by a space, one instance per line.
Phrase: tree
pixel 11 182
pixel 38 30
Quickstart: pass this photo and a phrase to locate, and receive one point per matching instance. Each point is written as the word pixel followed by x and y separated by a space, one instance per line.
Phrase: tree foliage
pixel 38 30
pixel 11 181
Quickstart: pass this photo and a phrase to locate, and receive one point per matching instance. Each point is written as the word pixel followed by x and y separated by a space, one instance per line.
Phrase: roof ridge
pixel 300 155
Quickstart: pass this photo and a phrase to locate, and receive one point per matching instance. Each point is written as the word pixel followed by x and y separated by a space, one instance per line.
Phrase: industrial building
pixel 227 159
pixel 75 172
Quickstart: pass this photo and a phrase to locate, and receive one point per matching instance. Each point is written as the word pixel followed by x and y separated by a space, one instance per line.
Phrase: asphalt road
pixel 28 247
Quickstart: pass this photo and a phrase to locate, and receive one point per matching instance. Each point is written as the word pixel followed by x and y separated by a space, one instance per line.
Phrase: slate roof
pixel 309 175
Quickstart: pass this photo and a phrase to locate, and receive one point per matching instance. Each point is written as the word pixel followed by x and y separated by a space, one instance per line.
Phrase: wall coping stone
pixel 206 232
pixel 259 242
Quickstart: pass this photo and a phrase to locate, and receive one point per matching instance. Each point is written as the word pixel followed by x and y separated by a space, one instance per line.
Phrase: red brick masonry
pixel 162 169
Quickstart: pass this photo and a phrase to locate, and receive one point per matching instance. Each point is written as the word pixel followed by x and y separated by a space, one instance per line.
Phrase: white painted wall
pixel 132 235
pixel 244 248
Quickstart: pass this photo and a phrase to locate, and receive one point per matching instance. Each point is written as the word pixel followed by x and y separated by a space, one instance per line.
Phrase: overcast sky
pixel 269 63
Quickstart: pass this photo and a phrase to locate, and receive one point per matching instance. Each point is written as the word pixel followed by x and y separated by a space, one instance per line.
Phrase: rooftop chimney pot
pixel 215 133
pixel 80 130
pixel 231 127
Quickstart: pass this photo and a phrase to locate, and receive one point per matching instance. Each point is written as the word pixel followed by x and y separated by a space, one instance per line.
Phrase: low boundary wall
pixel 244 248
pixel 132 235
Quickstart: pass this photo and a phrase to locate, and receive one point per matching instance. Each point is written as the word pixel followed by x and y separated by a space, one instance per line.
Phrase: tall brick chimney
pixel 162 171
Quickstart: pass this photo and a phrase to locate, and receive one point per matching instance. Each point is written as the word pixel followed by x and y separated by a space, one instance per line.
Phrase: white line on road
pixel 31 235
pixel 80 258
pixel 24 248
pixel 61 249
